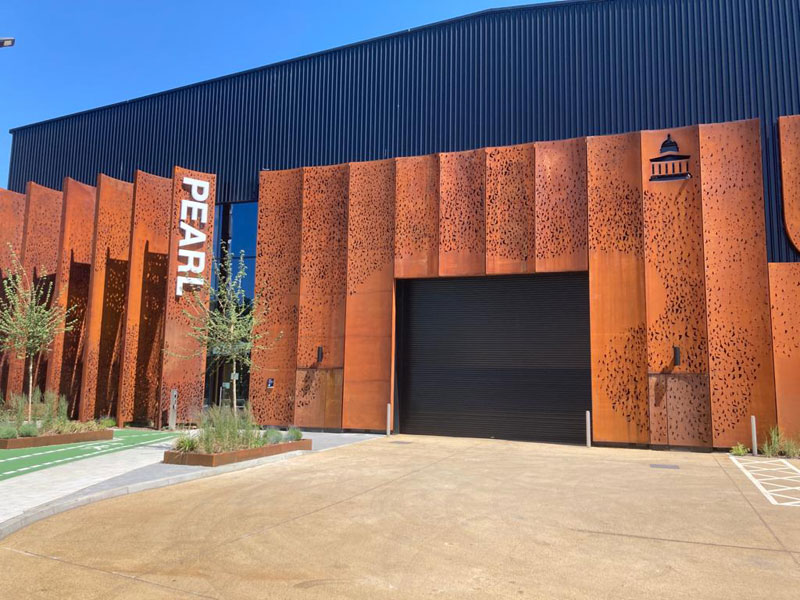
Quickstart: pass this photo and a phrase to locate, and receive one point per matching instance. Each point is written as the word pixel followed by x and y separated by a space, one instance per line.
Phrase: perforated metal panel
pixel 505 357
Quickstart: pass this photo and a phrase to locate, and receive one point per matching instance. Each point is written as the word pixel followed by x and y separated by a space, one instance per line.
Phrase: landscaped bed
pixel 225 437
pixel 48 425
pixel 54 439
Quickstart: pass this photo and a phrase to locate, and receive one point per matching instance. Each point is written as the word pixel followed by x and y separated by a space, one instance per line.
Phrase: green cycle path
pixel 27 460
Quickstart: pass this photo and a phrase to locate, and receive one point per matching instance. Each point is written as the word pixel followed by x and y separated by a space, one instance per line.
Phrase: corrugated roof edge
pixel 482 13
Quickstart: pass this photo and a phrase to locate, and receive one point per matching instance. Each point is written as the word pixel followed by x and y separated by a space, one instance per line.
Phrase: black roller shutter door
pixel 503 357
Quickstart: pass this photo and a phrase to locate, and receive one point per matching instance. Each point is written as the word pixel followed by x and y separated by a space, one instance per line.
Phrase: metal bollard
pixel 753 434
pixel 388 419
pixel 588 429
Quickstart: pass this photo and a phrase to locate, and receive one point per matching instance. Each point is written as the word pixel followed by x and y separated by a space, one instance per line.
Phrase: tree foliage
pixel 29 321
pixel 225 325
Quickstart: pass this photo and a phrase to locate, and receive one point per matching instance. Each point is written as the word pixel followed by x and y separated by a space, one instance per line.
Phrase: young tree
pixel 225 325
pixel 28 322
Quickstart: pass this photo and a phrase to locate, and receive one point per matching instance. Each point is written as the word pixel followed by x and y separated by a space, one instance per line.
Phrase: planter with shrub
pixel 225 437
pixel 48 426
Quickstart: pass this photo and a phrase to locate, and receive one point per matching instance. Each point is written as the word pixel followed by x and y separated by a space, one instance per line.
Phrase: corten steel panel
pixel 462 218
pixel 12 224
pixel 416 238
pixel 277 284
pixel 107 291
pixel 370 290
pixel 741 374
pixel 323 267
pixel 140 370
pixel 323 284
pixel 680 412
pixel 561 231
pixel 510 210
pixel 39 256
pixel 784 285
pixel 319 398
pixel 789 130
pixel 184 358
pixel 72 290
pixel 616 290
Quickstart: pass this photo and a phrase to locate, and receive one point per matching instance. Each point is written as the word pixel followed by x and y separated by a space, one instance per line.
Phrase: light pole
pixel 6 42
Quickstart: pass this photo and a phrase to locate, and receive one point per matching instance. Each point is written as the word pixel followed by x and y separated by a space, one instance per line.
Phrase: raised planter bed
pixel 59 438
pixel 200 459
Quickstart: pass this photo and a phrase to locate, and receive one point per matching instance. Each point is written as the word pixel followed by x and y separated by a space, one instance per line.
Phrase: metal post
pixel 753 434
pixel 588 429
pixel 388 419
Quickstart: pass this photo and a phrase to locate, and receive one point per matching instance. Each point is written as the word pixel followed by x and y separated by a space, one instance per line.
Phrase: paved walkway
pixel 424 517
pixel 65 474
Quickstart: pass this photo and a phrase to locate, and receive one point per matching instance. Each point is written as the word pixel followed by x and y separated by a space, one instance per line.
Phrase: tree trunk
pixel 30 389
pixel 233 386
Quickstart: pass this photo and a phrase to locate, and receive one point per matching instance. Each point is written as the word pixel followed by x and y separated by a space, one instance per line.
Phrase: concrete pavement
pixel 423 517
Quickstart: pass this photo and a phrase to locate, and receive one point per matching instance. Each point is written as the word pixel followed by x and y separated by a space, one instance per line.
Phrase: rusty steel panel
pixel 191 252
pixel 323 284
pixel 561 205
pixel 107 292
pixel 510 210
pixel 784 284
pixel 277 284
pixel 39 257
pixel 789 134
pixel 370 292
pixel 680 411
pixel 72 290
pixel 462 218
pixel 742 381
pixel 319 398
pixel 617 290
pixel 416 238
pixel 140 364
pixel 12 225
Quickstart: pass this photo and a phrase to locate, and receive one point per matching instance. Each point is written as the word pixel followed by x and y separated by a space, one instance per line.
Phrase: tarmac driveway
pixel 426 517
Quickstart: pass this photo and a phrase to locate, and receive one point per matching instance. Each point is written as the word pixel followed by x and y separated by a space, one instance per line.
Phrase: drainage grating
pixel 399 442
pixel 663 466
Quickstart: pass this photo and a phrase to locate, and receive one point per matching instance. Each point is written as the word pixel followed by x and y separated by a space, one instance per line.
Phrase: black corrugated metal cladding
pixel 499 77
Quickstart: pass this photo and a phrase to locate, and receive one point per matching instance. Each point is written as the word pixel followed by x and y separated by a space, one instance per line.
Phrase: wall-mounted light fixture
pixel 676 356
pixel 319 354
pixel 6 42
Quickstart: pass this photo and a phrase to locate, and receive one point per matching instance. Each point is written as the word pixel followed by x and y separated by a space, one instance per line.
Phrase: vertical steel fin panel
pixel 71 290
pixel 416 239
pixel 183 358
pixel 784 283
pixel 105 309
pixel 39 258
pixel 561 231
pixel 617 290
pixel 742 381
pixel 323 287
pixel 140 371
pixel 680 412
pixel 462 217
pixel 510 210
pixel 790 173
pixel 277 283
pixel 370 295
pixel 12 226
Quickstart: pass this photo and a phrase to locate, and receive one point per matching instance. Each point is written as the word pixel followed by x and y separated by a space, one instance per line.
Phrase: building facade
pixel 490 225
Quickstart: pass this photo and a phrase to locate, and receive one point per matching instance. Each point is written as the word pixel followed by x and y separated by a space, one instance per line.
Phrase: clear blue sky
pixel 72 55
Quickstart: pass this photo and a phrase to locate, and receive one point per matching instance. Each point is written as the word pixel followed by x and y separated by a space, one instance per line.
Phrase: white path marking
pixel 79 445
pixel 776 478
pixel 103 450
